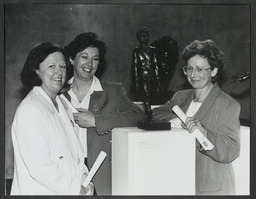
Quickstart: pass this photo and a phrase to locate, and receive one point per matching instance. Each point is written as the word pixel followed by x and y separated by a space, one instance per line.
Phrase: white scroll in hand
pixel 101 157
pixel 207 145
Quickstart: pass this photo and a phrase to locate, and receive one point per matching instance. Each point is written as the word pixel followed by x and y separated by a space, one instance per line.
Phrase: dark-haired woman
pixel 213 112
pixel 48 155
pixel 102 106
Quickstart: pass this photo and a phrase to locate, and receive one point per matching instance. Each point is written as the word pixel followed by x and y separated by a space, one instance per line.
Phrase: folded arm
pixel 125 113
pixel 226 137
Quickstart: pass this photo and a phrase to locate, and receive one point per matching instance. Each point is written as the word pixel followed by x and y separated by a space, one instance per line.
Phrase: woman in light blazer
pixel 213 112
pixel 48 158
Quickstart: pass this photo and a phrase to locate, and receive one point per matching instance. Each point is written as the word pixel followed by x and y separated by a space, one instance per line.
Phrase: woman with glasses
pixel 213 112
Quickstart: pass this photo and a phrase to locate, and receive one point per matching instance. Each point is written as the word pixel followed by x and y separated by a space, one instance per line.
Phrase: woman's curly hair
pixel 85 40
pixel 208 50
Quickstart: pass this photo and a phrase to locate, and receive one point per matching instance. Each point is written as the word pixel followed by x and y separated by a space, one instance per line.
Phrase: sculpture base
pixel 154 125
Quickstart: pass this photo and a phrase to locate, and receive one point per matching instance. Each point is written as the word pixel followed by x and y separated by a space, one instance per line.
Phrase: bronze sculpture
pixel 145 78
pixel 144 66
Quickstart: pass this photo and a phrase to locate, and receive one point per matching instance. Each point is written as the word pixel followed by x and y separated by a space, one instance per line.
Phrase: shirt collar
pixel 95 86
pixel 42 92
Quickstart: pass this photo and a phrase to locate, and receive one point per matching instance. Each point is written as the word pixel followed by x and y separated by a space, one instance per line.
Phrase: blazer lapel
pixel 185 104
pixel 209 100
pixel 95 105
pixel 96 102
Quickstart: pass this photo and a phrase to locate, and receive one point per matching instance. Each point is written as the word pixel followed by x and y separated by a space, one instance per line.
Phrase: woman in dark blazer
pixel 213 112
pixel 101 106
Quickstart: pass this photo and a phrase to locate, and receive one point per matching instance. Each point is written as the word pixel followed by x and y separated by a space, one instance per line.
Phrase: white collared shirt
pixel 82 132
pixel 193 108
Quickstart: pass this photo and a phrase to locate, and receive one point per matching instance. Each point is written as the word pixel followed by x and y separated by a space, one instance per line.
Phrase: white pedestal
pixel 242 164
pixel 152 162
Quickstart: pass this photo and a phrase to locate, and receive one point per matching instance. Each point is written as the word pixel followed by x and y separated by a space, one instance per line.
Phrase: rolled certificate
pixel 101 157
pixel 207 145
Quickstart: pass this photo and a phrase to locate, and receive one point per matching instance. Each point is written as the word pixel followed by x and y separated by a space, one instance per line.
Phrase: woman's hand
pixel 84 118
pixel 192 123
pixel 87 190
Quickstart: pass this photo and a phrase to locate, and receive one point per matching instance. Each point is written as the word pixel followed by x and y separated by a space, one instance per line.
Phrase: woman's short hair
pixel 207 49
pixel 85 40
pixel 37 55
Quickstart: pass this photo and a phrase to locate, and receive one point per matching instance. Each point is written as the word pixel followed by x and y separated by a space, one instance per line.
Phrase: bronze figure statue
pixel 145 78
pixel 144 66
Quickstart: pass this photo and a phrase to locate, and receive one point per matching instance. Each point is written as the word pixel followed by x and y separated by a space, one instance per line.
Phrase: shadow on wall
pixel 241 96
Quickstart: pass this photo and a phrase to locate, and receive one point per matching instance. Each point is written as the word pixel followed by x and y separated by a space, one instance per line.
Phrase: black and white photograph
pixel 128 98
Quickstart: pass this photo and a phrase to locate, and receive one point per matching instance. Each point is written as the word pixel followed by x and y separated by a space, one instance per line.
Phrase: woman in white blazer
pixel 48 155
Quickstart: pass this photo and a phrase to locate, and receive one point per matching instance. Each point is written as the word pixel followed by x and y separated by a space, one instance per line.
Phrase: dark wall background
pixel 28 24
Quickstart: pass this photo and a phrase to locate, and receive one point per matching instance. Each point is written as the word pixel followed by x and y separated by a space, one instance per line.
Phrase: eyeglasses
pixel 188 70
